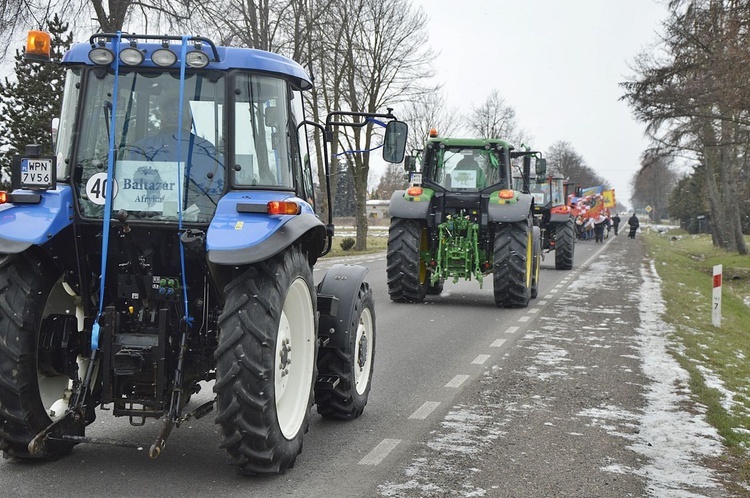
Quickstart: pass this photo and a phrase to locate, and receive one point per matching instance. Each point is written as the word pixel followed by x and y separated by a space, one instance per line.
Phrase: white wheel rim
pixel 55 390
pixel 52 391
pixel 294 358
pixel 363 351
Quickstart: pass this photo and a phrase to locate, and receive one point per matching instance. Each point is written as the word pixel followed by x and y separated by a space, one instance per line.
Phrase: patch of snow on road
pixel 465 431
pixel 673 439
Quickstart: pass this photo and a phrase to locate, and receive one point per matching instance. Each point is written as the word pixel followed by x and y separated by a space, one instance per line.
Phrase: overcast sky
pixel 558 63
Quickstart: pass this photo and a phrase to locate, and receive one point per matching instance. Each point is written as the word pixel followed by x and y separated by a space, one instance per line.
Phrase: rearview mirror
pixel 540 167
pixel 394 142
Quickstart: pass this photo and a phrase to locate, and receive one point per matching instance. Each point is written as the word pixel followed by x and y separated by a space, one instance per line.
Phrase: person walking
pixel 634 224
pixel 616 222
pixel 599 222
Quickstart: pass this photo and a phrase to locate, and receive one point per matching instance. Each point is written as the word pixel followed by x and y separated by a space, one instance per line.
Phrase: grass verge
pixel 717 358
pixel 374 244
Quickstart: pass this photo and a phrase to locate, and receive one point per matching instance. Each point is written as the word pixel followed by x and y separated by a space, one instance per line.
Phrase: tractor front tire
pixel 513 263
pixel 32 393
pixel 406 274
pixel 265 367
pixel 353 365
pixel 436 289
pixel 565 240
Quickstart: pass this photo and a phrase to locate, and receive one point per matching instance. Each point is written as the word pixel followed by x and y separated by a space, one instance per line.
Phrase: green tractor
pixel 461 218
pixel 554 217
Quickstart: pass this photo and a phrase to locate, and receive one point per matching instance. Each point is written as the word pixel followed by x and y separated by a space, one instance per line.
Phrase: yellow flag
pixel 609 198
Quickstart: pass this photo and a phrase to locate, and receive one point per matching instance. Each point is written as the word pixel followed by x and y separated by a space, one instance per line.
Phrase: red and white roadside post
pixel 716 298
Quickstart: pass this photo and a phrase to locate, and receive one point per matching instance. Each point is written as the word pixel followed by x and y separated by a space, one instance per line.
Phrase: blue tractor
pixel 169 242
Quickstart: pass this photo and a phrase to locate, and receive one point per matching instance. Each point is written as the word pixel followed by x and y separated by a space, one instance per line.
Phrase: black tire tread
pixel 246 411
pixel 509 272
pixel 402 261
pixel 565 239
pixel 25 284
pixel 343 402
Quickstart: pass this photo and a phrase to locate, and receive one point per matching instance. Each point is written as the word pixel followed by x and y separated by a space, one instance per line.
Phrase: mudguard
pixel 559 218
pixel 511 211
pixel 406 206
pixel 242 232
pixel 24 225
pixel 337 293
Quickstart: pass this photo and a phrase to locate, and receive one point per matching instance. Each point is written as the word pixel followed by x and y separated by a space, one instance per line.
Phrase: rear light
pixel 414 191
pixel 506 194
pixel 3 197
pixel 283 207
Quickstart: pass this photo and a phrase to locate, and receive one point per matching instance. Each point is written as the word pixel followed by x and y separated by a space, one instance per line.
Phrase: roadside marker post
pixel 716 298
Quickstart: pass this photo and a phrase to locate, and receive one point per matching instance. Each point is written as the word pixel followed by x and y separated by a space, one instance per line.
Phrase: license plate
pixel 36 173
pixel 416 178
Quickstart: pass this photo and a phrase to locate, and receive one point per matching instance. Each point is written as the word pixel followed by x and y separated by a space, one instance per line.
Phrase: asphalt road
pixel 467 400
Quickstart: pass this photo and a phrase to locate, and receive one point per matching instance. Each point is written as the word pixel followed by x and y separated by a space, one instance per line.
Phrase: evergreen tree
pixel 28 105
pixel 344 204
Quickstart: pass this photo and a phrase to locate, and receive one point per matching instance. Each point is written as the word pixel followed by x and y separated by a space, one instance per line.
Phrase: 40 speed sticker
pixel 96 188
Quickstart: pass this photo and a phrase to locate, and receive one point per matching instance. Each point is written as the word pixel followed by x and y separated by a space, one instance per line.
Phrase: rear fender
pixel 559 218
pixel 337 294
pixel 242 232
pixel 406 206
pixel 24 225
pixel 512 211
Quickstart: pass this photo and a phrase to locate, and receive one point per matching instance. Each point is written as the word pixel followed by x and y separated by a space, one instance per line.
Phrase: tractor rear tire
pixel 265 367
pixel 353 366
pixel 32 393
pixel 406 274
pixel 513 258
pixel 537 265
pixel 565 240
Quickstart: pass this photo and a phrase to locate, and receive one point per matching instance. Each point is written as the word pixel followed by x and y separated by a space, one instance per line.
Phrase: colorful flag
pixel 609 198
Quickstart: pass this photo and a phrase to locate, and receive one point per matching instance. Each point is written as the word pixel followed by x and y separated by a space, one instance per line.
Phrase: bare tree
pixel 393 179
pixel 430 111
pixel 697 98
pixel 563 159
pixel 653 184
pixel 376 58
pixel 493 118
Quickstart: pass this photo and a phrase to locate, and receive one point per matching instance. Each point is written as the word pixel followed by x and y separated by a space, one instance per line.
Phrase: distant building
pixel 377 208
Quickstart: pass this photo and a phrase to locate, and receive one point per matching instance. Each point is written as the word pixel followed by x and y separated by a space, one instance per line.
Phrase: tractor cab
pixel 548 192
pixel 466 165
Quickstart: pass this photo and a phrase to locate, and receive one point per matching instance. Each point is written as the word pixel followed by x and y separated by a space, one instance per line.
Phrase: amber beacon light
pixel 38 46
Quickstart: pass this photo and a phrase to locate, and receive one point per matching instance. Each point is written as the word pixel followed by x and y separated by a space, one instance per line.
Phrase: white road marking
pixel 379 452
pixel 541 303
pixel 457 381
pixel 533 310
pixel 424 410
pixel 511 330
pixel 524 319
pixel 497 343
pixel 479 360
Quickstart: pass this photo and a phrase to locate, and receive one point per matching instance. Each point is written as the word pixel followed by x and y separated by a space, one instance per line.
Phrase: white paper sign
pixel 147 186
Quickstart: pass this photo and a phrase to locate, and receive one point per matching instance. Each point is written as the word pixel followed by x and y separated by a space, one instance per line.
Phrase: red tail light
pixel 414 191
pixel 283 207
pixel 3 197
